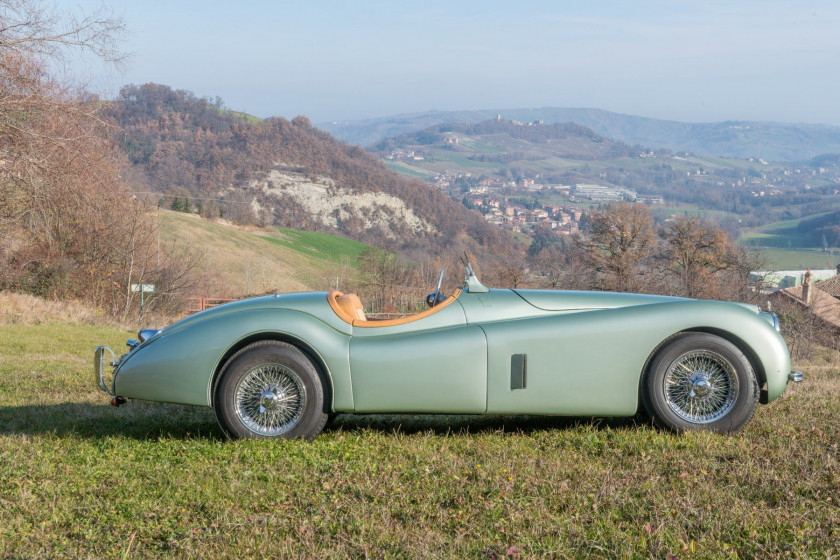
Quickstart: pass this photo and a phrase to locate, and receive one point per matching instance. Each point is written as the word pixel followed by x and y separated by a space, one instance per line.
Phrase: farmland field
pixel 777 234
pixel 785 248
pixel 84 480
pixel 408 170
pixel 800 259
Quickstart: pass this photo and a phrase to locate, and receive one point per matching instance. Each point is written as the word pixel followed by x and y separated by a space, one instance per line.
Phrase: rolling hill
pixel 798 243
pixel 237 261
pixel 501 141
pixel 735 139
pixel 536 164
pixel 561 153
pixel 285 173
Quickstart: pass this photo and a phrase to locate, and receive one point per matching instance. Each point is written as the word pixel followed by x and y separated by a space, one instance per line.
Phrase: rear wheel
pixel 270 390
pixel 700 381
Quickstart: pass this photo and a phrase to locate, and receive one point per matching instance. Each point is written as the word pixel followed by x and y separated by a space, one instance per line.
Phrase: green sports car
pixel 278 366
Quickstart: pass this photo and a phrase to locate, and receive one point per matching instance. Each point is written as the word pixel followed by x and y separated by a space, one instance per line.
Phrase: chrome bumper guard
pixel 99 365
pixel 795 376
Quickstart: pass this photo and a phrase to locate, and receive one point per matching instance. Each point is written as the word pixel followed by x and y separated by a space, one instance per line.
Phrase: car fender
pixel 591 361
pixel 180 366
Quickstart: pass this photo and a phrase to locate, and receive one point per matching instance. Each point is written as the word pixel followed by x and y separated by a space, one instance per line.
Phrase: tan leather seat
pixel 349 309
pixel 347 306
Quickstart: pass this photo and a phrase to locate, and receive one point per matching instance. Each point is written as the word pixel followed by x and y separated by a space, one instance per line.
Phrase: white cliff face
pixel 328 203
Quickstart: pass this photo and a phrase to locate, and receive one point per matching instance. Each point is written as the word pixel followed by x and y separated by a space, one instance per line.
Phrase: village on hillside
pixel 523 215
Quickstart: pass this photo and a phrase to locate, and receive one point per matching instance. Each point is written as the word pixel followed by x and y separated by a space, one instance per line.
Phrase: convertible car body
pixel 278 366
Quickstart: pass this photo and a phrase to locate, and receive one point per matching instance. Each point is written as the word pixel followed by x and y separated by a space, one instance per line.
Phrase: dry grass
pixel 238 261
pixel 25 309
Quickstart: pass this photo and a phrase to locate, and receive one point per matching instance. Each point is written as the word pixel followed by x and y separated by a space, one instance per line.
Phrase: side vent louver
pixel 518 371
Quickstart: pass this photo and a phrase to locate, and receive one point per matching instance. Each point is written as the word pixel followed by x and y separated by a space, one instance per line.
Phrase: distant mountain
pixel 503 141
pixel 737 139
pixel 285 173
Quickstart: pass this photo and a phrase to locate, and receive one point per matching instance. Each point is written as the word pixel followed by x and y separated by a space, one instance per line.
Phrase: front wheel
pixel 270 390
pixel 700 381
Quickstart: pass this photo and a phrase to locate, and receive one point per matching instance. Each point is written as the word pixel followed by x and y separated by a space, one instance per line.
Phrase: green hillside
pixel 237 261
pixel 329 248
pixel 786 247
pixel 245 117
pixel 783 234
pixel 496 147
pixel 506 148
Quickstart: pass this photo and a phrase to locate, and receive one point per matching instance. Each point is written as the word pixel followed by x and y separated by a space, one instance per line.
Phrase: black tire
pixel 700 381
pixel 270 390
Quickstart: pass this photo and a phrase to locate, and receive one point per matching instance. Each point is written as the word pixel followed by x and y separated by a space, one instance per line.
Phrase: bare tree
pixel 742 285
pixel 512 271
pixel 620 241
pixel 801 328
pixel 694 252
pixel 70 225
pixel 560 266
pixel 382 281
pixel 31 30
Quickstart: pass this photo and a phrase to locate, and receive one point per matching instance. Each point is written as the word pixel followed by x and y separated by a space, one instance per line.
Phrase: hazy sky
pixel 692 61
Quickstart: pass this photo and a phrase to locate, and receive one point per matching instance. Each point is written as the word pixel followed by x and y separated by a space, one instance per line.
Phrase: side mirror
pixel 434 298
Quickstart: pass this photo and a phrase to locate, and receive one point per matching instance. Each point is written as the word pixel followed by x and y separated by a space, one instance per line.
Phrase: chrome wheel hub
pixel 701 386
pixel 270 399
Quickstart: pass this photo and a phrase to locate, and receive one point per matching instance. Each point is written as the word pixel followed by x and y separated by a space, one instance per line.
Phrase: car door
pixel 436 364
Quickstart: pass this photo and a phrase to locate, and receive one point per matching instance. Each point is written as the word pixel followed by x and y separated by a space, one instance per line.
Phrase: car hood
pixel 564 300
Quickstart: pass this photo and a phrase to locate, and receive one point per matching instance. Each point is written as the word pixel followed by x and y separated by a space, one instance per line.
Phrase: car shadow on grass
pixel 448 424
pixel 137 420
pixel 151 421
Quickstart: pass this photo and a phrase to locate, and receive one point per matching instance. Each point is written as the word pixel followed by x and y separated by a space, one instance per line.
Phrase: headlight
pixel 146 334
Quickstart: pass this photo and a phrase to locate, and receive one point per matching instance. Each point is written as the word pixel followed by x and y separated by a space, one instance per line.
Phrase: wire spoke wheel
pixel 701 386
pixel 270 399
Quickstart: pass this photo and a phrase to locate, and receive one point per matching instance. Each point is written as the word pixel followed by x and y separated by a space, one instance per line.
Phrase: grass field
pixel 782 235
pixel 330 248
pixel 81 479
pixel 785 248
pixel 664 211
pixel 238 261
pixel 250 119
pixel 408 170
pixel 800 259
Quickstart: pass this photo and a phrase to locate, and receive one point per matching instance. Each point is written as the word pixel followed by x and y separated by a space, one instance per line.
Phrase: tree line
pixel 621 249
pixel 69 225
